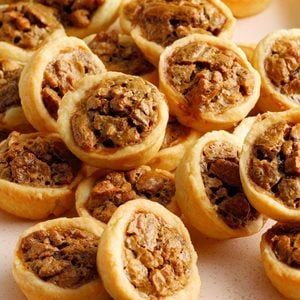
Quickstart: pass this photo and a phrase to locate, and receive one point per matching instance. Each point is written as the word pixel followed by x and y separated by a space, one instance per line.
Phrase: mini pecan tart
pixel 178 139
pixel 100 195
pixel 277 58
pixel 270 165
pixel 114 121
pixel 53 71
pixel 246 8
pixel 156 24
pixel 119 53
pixel 84 17
pixel 208 82
pixel 57 259
pixel 38 175
pixel 209 191
pixel 145 252
pixel 280 253
pixel 25 27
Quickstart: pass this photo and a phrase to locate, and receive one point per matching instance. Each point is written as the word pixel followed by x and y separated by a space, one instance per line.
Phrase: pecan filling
pixel 116 188
pixel 64 257
pixel 164 21
pixel 62 73
pixel 157 258
pixel 4 133
pixel 283 67
pixel 175 133
pixel 120 54
pixel 77 13
pixel 275 162
pixel 26 25
pixel 284 240
pixel 220 174
pixel 10 72
pixel 210 78
pixel 39 162
pixel 119 112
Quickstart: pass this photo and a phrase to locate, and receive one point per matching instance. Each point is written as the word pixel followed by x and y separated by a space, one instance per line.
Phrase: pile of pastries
pixel 137 125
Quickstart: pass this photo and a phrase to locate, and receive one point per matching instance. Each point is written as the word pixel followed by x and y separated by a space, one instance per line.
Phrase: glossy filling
pixel 26 25
pixel 211 79
pixel 37 161
pixel 275 162
pixel 164 21
pixel 282 66
pixel 220 174
pixel 119 53
pixel 157 258
pixel 62 73
pixel 119 112
pixel 64 257
pixel 76 13
pixel 116 188
pixel 10 72
pixel 284 240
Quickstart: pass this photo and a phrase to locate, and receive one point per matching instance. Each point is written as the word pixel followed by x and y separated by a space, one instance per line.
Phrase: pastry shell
pixel 124 158
pixel 241 131
pixel 264 202
pixel 204 122
pixel 32 78
pixel 35 288
pixel 193 200
pixel 36 202
pixel 248 50
pixel 110 252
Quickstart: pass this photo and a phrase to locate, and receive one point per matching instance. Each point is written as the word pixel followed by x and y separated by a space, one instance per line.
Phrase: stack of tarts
pixel 128 125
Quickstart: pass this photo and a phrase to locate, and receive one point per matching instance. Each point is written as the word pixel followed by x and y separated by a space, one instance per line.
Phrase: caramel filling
pixel 118 112
pixel 116 188
pixel 212 79
pixel 157 258
pixel 26 25
pixel 10 72
pixel 64 257
pixel 275 162
pixel 120 54
pixel 38 161
pixel 220 174
pixel 164 21
pixel 282 66
pixel 284 240
pixel 76 13
pixel 61 75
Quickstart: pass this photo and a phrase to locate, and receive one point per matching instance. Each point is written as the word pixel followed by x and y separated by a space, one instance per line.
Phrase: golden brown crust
pixel 35 288
pixel 248 49
pixel 241 131
pixel 210 120
pixel 36 202
pixel 126 157
pixel 110 254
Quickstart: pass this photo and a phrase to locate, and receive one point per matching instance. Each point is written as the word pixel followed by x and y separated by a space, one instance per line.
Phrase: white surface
pixel 229 270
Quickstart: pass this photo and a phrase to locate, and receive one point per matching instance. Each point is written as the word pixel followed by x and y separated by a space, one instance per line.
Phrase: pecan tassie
pixel 275 162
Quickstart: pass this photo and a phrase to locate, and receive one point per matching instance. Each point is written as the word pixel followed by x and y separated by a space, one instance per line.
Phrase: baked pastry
pixel 51 73
pixel 84 17
pixel 277 59
pixel 119 53
pixel 25 27
pixel 248 50
pixel 113 121
pixel 156 24
pixel 38 175
pixel 269 166
pixel 246 8
pixel 209 192
pixel 145 252
pixel 99 195
pixel 57 260
pixel 177 140
pixel 208 82
pixel 241 131
pixel 280 253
